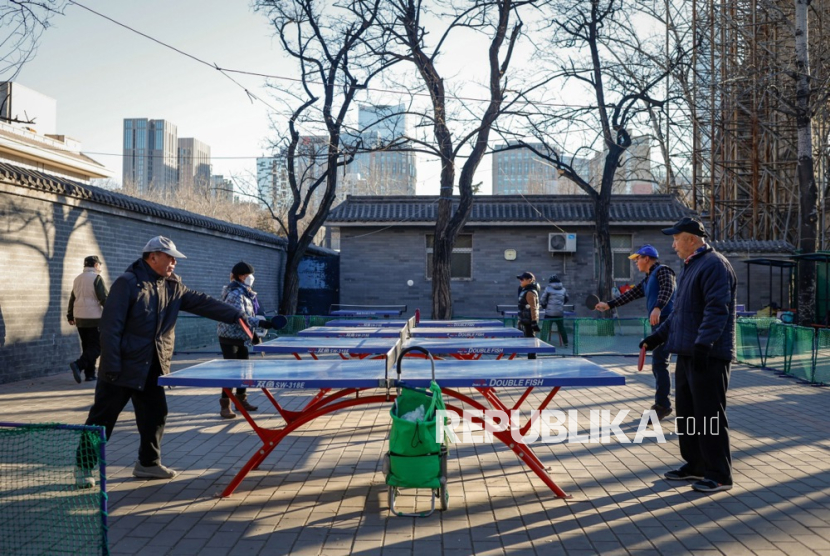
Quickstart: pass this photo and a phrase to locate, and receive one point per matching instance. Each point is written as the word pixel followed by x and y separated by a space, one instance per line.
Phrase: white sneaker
pixel 153 472
pixel 84 478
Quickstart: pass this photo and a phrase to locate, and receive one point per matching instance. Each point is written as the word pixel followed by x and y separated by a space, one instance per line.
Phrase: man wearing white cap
pixel 137 336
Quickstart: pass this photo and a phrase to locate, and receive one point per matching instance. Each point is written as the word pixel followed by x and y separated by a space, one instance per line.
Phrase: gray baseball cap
pixel 163 245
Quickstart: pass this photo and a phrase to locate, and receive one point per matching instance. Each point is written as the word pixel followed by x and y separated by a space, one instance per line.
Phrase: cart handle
pixel 425 351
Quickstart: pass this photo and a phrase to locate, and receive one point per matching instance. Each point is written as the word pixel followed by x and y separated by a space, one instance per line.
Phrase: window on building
pixel 620 250
pixel 461 265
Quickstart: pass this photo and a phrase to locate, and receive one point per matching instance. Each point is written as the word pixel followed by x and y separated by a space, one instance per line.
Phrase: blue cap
pixel 647 251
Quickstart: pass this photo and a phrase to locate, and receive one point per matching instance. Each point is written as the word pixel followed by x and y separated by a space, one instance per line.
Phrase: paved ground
pixel 323 491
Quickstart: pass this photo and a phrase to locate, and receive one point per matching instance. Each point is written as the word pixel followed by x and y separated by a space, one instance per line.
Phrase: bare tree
pixel 330 43
pixel 591 42
pixel 498 22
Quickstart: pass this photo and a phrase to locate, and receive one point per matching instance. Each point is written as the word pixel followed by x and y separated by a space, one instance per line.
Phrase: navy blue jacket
pixel 704 308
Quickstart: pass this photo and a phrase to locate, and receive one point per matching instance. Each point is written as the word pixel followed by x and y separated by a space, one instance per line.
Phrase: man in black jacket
pixel 137 337
pixel 701 331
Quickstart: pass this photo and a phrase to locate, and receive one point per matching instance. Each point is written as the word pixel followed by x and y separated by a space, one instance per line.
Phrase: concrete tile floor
pixel 322 491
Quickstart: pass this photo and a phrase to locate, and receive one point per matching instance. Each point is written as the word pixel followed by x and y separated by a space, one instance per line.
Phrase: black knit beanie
pixel 242 268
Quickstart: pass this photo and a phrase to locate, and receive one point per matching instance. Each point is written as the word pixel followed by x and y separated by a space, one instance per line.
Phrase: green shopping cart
pixel 416 458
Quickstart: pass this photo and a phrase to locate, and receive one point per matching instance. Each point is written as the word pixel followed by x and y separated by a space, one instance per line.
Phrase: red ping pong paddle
pixel 641 361
pixel 245 328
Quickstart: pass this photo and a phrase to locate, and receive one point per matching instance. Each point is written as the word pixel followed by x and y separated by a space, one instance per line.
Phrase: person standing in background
pixel 528 306
pixel 86 304
pixel 553 302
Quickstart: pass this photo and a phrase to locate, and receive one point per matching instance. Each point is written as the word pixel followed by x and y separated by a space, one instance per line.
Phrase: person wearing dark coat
pixel 701 331
pixel 137 337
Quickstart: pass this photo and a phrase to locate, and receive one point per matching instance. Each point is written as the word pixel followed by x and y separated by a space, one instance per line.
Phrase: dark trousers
pixel 231 351
pixel 700 402
pixel 560 327
pixel 527 330
pixel 660 369
pixel 90 350
pixel 150 407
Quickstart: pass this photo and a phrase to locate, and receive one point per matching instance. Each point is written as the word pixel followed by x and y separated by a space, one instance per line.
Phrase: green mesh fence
pixel 821 369
pixel 775 354
pixel 801 353
pixel 748 344
pixel 43 511
pixel 608 336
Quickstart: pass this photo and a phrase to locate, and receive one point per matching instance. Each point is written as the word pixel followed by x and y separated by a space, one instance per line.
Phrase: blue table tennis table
pixel 340 385
pixel 417 332
pixel 459 348
pixel 399 323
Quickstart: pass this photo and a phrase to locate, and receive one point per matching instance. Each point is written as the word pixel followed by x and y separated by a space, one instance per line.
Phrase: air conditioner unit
pixel 562 243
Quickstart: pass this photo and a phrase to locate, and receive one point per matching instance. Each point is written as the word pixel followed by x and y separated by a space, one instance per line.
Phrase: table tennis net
pixel 43 509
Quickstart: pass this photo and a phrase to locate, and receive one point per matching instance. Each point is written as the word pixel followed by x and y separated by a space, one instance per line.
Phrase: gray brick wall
pixel 44 238
pixel 376 264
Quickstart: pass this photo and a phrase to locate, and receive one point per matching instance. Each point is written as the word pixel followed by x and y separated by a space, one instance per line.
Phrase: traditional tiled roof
pixel 39 181
pixel 508 209
pixel 752 246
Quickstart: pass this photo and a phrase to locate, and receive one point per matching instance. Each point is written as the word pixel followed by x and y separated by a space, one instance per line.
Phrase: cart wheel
pixel 444 495
pixel 391 494
pixel 387 468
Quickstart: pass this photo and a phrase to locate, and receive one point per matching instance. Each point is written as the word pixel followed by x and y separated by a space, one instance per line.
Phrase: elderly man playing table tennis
pixel 137 335
pixel 658 289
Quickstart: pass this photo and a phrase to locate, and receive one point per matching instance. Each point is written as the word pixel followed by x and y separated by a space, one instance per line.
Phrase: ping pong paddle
pixel 591 302
pixel 279 321
pixel 245 328
pixel 641 361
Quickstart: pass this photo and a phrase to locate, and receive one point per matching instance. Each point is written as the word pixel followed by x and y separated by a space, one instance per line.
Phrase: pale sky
pixel 100 73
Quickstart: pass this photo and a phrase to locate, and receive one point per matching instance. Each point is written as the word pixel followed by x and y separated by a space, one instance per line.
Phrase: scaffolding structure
pixel 744 152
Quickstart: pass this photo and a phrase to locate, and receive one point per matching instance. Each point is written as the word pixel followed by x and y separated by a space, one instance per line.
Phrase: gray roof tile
pixel 508 208
pixel 752 246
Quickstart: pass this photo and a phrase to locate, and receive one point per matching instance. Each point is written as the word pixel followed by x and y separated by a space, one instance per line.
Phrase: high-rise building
pixel 521 170
pixel 633 176
pixel 270 179
pixel 194 164
pixel 28 108
pixel 221 188
pixel 150 154
pixel 376 171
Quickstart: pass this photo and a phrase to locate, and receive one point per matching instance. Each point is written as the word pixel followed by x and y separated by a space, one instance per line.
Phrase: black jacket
pixel 704 308
pixel 140 317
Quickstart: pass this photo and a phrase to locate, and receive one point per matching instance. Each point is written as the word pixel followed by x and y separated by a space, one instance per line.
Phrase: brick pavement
pixel 322 491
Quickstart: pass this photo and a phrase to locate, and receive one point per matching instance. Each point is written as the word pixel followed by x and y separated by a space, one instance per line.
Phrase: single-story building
pixel 385 242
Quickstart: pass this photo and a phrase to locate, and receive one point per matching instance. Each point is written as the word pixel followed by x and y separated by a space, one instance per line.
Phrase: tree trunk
pixel 291 283
pixel 808 195
pixel 602 216
pixel 441 278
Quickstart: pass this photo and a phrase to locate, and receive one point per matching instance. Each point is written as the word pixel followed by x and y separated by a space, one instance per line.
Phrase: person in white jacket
pixel 86 304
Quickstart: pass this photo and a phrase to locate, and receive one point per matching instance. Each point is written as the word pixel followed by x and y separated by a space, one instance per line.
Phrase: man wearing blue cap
pixel 658 289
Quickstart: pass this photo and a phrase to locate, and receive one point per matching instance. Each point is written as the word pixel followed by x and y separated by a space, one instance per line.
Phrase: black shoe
pixel 708 485
pixel 662 412
pixel 682 475
pixel 91 378
pixel 76 371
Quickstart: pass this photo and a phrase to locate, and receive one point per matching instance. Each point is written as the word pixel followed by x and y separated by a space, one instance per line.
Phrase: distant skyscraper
pixel 221 188
pixel 523 171
pixel 194 163
pixel 381 172
pixel 270 179
pixel 150 154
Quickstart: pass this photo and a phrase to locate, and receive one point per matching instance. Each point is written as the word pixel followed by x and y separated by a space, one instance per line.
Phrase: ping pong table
pixel 340 385
pixel 416 332
pixel 460 348
pixel 399 323
pixel 381 311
